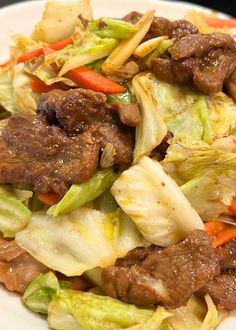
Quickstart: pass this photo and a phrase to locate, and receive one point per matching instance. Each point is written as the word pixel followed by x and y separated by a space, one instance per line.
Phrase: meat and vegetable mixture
pixel 118 170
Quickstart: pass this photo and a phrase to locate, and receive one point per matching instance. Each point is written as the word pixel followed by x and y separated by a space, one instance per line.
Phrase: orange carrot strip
pixel 220 22
pixel 50 198
pixel 213 228
pixel 232 207
pixel 87 78
pixel 3 65
pixel 224 236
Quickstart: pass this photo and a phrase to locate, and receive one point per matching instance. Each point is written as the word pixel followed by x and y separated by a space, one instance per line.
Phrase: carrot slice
pixel 40 51
pixel 39 86
pixel 232 207
pixel 61 44
pixel 28 56
pixel 224 237
pixel 50 198
pixel 3 65
pixel 220 22
pixel 87 78
pixel 213 228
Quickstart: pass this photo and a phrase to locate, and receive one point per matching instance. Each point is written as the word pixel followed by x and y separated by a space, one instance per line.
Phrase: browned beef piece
pixel 81 110
pixel 17 267
pixel 131 285
pixel 222 289
pixel 169 276
pixel 75 108
pixel 34 152
pixel 54 157
pixel 207 73
pixel 162 26
pixel 227 255
pixel 133 17
pixel 120 137
pixel 136 256
pixel 129 113
pixel 230 85
pixel 171 71
pixel 199 44
pixel 212 69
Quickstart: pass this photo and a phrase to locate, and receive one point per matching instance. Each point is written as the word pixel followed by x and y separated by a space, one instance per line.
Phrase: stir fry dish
pixel 118 170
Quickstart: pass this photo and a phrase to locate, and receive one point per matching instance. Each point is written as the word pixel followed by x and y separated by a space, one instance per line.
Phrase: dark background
pixel 227 6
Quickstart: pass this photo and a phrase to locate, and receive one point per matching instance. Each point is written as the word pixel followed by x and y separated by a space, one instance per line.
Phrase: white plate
pixel 21 18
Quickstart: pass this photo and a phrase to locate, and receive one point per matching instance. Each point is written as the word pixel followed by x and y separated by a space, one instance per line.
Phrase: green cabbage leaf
pixel 80 194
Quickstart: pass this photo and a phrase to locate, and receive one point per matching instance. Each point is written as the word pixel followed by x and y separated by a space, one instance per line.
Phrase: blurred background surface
pixel 226 6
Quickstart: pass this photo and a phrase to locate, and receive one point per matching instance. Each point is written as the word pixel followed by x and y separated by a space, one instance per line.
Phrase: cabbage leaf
pixel 14 215
pixel 92 49
pixel 188 158
pixel 25 100
pixel 112 28
pixel 152 130
pixel 61 20
pixel 126 48
pixel 79 241
pixel 161 49
pixel 80 194
pixel 40 292
pixel 149 46
pixel 74 310
pixel 195 315
pixel 186 111
pixel 7 91
pixel 206 173
pixel 155 203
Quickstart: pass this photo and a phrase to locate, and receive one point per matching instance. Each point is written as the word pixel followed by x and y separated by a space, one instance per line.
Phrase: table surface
pixel 227 6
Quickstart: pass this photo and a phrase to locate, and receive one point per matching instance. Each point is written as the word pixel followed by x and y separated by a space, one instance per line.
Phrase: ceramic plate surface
pixel 21 18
